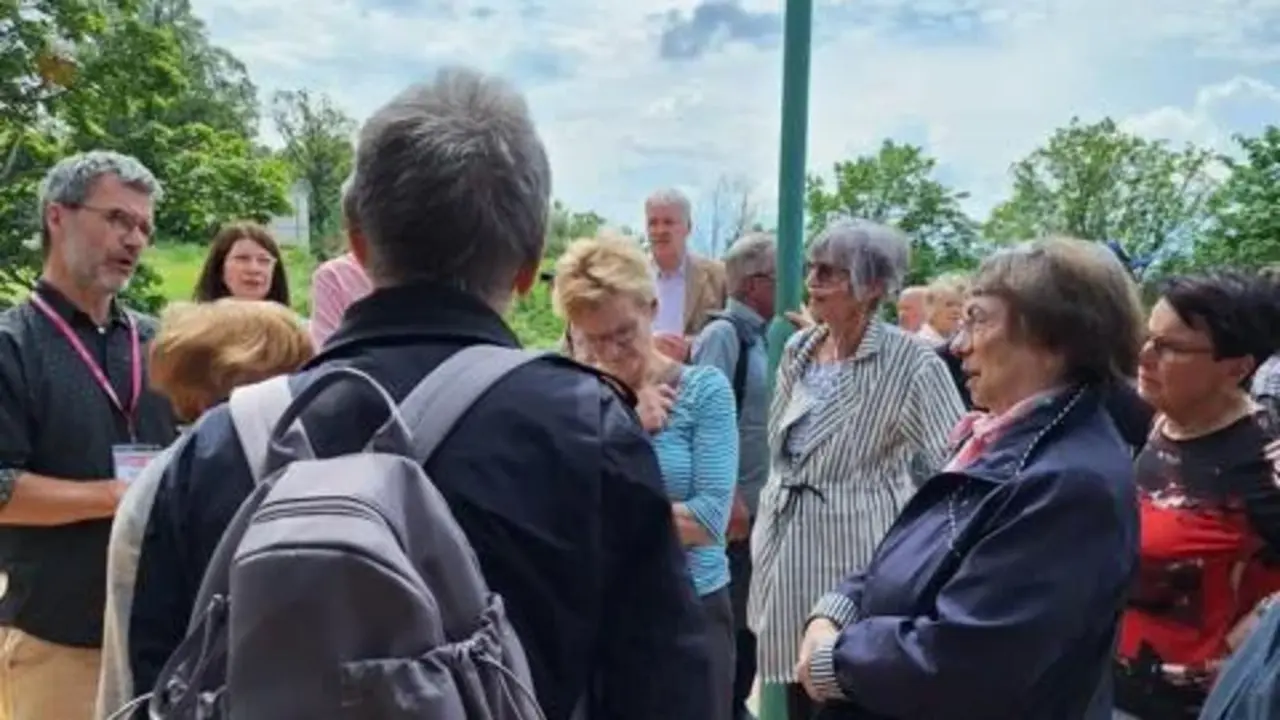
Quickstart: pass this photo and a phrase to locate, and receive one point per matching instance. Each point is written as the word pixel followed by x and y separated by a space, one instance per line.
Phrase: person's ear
pixel 525 279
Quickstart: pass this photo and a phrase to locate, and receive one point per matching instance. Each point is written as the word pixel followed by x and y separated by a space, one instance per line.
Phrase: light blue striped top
pixel 698 454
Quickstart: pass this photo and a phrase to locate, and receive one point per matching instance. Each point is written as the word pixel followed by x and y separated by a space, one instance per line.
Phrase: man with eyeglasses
pixel 76 423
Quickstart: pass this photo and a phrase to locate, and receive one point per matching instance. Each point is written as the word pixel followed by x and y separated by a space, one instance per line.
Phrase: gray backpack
pixel 343 587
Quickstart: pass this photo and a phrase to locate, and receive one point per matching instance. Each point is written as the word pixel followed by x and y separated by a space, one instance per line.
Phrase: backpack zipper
pixel 337 505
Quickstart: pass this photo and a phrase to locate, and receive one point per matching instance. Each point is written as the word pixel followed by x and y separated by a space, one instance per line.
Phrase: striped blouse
pixel 698 455
pixel 842 442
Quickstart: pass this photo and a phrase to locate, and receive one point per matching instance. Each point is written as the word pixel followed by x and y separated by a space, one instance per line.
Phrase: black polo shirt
pixel 56 420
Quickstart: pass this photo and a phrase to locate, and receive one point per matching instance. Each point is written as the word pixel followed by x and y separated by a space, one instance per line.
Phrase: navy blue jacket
pixel 996 593
pixel 551 477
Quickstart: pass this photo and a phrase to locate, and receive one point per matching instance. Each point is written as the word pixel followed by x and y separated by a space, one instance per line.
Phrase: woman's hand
pixel 653 404
pixel 801 318
pixel 675 347
pixel 819 631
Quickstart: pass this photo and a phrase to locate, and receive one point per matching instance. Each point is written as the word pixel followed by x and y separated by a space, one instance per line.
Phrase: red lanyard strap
pixel 135 359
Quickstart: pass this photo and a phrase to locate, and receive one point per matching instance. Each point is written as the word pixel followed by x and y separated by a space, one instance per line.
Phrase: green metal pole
pixel 791 175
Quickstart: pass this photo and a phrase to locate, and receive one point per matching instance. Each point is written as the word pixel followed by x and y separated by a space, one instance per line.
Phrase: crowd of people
pixel 1030 496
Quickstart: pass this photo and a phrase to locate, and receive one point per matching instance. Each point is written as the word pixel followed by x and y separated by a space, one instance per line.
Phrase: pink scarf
pixel 982 429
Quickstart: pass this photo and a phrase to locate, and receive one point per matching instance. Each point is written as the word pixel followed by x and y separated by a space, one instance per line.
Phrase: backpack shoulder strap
pixel 739 378
pixel 255 410
pixel 432 408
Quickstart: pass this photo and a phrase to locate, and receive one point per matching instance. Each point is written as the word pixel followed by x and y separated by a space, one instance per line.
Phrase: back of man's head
pixel 452 186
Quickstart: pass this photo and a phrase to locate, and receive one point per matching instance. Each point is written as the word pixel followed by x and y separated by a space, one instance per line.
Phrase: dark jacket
pixel 995 595
pixel 551 477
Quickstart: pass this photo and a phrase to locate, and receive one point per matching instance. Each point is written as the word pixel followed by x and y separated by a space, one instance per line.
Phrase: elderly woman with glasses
pixel 605 290
pixel 858 404
pixel 997 592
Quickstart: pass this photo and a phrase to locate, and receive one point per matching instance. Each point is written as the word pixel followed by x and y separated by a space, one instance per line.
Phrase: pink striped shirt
pixel 334 286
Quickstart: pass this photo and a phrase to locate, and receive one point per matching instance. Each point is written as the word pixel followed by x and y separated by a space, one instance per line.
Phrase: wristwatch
pixel 8 478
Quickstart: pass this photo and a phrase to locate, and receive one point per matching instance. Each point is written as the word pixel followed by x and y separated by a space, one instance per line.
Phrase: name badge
pixel 129 460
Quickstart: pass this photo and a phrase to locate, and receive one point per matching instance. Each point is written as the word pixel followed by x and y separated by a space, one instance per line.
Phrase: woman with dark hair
pixel 244 262
pixel 1209 502
pixel 997 590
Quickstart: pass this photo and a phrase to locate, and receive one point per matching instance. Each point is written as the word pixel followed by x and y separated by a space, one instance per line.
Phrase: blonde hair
pixel 593 270
pixel 942 286
pixel 203 351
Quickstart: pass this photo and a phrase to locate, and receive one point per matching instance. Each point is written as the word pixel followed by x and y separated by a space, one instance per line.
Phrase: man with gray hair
pixel 549 474
pixel 338 282
pixel 76 424
pixel 689 286
pixel 734 341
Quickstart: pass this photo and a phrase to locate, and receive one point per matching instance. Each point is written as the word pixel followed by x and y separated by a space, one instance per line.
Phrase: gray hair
pixel 671 197
pixel 350 218
pixel 72 179
pixel 873 254
pixel 452 185
pixel 750 255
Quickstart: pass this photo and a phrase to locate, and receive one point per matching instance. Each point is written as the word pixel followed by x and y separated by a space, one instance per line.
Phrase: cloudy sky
pixel 631 96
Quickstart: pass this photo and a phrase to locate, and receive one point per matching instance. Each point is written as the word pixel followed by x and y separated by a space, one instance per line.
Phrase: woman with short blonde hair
pixel 605 289
pixel 201 353
pixel 943 302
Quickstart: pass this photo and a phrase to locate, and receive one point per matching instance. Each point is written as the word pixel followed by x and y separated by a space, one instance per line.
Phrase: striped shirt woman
pixel 858 406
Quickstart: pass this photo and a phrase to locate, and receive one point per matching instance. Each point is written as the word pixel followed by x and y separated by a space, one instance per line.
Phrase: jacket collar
pixel 1013 448
pixel 419 311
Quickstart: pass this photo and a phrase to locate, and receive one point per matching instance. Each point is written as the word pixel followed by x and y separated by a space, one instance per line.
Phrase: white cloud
pixel 984 80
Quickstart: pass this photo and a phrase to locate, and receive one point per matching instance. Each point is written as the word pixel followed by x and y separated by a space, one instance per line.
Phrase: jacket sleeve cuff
pixel 837 608
pixel 822 671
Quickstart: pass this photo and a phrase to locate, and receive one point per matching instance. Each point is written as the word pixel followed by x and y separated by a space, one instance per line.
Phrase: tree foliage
pixel 1096 181
pixel 896 186
pixel 1246 210
pixel 139 87
pixel 317 145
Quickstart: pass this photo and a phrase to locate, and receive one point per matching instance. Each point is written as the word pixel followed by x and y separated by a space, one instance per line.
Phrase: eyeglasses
pixel 825 274
pixel 265 262
pixel 1166 349
pixel 120 220
pixel 621 338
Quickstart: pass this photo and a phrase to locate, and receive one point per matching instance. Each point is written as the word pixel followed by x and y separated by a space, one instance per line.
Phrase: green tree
pixel 128 82
pixel 317 145
pixel 219 92
pixel 1245 231
pixel 1098 182
pixel 896 186
pixel 566 226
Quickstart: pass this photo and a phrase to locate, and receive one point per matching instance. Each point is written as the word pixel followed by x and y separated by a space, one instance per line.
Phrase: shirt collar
pixel 677 274
pixel 68 310
pixel 743 312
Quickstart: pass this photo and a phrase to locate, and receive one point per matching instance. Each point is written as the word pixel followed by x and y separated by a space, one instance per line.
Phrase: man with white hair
pixel 911 302
pixel 689 286
pixel 77 421
pixel 734 341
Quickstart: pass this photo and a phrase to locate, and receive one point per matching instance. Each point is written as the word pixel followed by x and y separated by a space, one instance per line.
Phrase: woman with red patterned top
pixel 1210 505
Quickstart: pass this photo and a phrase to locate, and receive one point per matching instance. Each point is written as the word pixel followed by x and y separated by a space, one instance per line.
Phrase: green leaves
pixel 896 186
pixel 318 149
pixel 1245 231
pixel 1096 181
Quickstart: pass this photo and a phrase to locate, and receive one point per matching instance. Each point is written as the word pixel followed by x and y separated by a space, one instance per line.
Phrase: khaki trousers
pixel 43 681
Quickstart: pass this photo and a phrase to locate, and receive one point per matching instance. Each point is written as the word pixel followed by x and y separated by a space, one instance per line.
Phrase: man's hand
pixel 653 404
pixel 739 519
pixel 819 631
pixel 675 347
